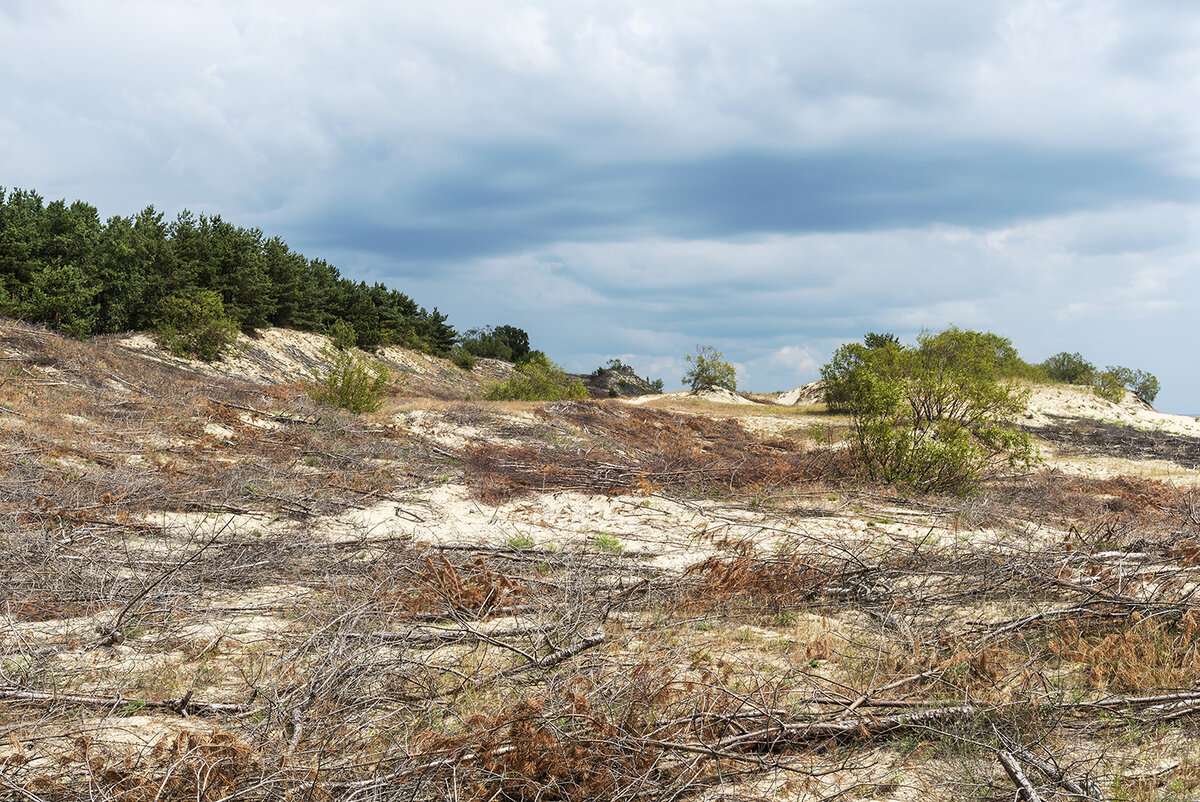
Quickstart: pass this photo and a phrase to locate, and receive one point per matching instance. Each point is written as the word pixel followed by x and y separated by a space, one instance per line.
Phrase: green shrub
pixel 464 359
pixel 60 296
pixel 508 343
pixel 841 374
pixel 520 542
pixel 1069 368
pixel 936 416
pixel 1112 383
pixel 194 323
pixel 1109 387
pixel 349 382
pixel 1145 386
pixel 537 379
pixel 608 543
pixel 708 368
pixel 342 335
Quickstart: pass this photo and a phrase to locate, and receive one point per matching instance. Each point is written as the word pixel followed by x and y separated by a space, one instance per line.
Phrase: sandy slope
pixel 1061 401
pixel 284 356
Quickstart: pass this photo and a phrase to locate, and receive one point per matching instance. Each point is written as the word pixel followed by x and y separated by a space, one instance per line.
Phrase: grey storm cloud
pixel 632 178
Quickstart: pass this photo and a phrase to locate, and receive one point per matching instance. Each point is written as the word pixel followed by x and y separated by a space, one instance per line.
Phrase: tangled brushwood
pixel 637 450
pixel 244 595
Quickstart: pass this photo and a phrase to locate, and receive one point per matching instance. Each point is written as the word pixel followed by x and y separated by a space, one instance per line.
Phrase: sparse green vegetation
pixel 537 379
pixel 767 634
pixel 349 381
pixel 464 359
pixel 606 542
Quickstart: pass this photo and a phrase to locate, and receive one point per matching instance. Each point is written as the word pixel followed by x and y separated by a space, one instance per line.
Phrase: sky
pixel 630 180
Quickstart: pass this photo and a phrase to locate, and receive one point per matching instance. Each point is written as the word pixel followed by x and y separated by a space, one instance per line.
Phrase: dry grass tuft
pixel 632 449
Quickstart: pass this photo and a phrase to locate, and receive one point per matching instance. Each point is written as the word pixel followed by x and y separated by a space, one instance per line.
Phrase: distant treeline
pixel 59 265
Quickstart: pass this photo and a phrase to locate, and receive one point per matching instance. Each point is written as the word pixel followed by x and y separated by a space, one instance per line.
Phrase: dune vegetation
pixel 214 586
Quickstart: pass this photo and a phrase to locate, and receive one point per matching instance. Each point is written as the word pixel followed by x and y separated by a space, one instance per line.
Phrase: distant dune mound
pixel 803 396
pixel 722 395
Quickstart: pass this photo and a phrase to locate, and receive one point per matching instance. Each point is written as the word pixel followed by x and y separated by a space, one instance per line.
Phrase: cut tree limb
pixel 183 705
pixel 1013 769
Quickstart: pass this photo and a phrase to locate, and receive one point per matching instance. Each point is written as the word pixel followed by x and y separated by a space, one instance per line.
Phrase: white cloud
pixel 800 359
pixel 308 118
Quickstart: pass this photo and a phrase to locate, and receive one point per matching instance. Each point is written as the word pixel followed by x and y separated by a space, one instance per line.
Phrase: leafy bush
pixel 1069 368
pixel 1109 387
pixel 194 323
pixel 1145 386
pixel 464 359
pixel 657 384
pixel 502 342
pixel 342 335
pixel 60 296
pixel 934 417
pixel 1112 383
pixel 537 379
pixel 708 368
pixel 533 356
pixel 349 382
pixel 840 372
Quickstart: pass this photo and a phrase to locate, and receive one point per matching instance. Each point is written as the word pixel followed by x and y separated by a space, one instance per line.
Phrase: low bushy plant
pixel 342 335
pixel 194 323
pixel 1109 387
pixel 1144 385
pixel 464 359
pixel 1069 368
pixel 349 382
pixel 935 416
pixel 537 378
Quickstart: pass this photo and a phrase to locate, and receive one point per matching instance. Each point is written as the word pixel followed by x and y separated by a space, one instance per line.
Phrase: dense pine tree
pixel 61 266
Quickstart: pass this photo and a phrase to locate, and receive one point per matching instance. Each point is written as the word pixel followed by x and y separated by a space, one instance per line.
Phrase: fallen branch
pixel 1013 769
pixel 775 734
pixel 589 642
pixel 183 705
pixel 1059 777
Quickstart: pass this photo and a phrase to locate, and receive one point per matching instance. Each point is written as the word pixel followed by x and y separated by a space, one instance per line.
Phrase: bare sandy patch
pixel 1080 402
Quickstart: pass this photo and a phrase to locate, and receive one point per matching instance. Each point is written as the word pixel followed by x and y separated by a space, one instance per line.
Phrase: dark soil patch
pixel 1081 437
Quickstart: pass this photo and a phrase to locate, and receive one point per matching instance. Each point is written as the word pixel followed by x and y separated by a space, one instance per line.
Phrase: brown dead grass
pixel 1141 655
pixel 389 669
pixel 639 450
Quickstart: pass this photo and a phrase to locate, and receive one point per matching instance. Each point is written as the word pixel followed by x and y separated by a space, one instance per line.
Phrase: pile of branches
pixel 633 449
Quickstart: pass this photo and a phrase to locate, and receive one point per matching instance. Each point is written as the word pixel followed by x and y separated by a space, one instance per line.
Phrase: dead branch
pixel 553 659
pixel 1013 769
pixel 184 705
